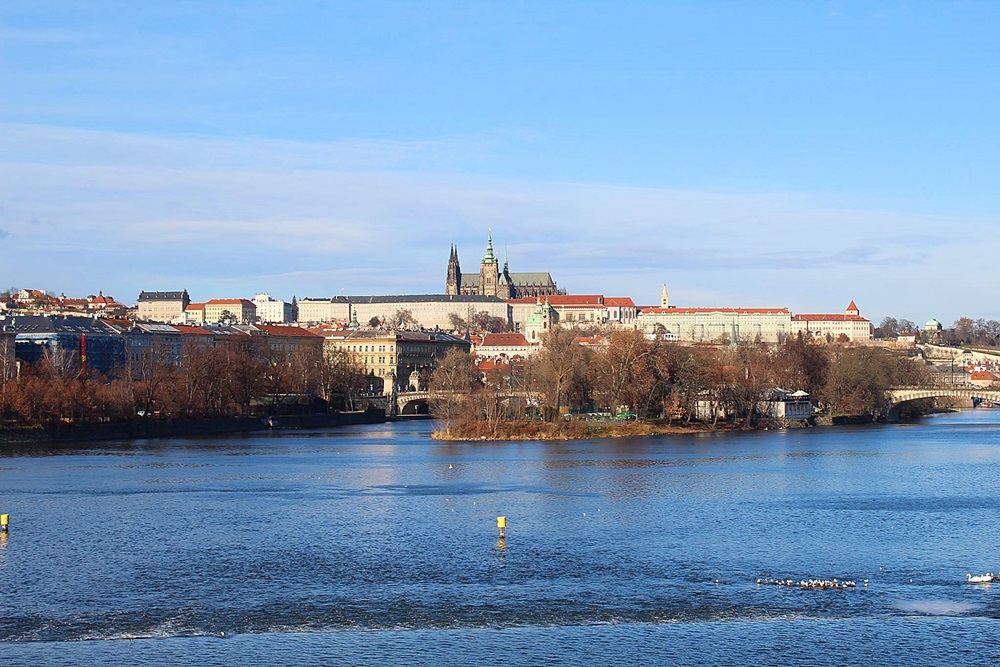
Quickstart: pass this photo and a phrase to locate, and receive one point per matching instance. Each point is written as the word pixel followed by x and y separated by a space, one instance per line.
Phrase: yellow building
pixel 162 306
pixel 401 358
pixel 232 311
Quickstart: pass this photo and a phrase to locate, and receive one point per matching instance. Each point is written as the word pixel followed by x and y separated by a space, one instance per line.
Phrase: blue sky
pixel 797 154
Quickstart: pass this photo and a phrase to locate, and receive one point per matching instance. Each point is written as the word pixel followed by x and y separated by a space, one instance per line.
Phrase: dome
pixel 932 325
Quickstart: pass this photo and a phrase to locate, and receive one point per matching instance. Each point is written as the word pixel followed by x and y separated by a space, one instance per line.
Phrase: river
pixel 377 545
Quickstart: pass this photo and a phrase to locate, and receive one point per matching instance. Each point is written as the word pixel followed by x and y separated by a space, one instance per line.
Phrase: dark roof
pixel 38 324
pixel 519 279
pixel 413 336
pixel 163 296
pixel 412 298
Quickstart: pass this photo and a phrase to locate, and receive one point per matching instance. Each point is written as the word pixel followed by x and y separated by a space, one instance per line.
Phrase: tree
pixel 375 322
pixel 339 378
pixel 454 380
pixel 402 319
pixel 859 379
pixel 628 374
pixel 486 323
pixel 888 328
pixel 149 372
pixel 800 364
pixel 561 370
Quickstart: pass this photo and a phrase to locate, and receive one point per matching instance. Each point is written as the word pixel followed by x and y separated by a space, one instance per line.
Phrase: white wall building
pixel 848 326
pixel 271 310
pixel 768 325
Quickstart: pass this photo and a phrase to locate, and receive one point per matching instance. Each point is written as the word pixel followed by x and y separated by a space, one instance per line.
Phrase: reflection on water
pixel 258 538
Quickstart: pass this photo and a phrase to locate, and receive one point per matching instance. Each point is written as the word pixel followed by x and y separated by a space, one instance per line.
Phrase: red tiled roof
pixel 833 317
pixel 620 301
pixel 243 302
pixel 195 306
pixel 852 305
pixel 287 332
pixel 504 340
pixel 728 311
pixel 189 330
pixel 492 364
pixel 566 300
pixel 328 327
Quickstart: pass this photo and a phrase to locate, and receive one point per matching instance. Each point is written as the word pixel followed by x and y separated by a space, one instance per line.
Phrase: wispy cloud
pixel 292 217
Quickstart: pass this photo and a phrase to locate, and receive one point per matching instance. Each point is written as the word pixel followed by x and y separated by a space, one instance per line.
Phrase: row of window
pixel 364 348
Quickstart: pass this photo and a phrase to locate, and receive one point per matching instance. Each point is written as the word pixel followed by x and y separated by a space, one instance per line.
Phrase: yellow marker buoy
pixel 502 525
pixel 4 520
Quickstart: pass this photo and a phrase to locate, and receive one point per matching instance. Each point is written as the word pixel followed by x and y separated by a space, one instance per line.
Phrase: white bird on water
pixel 980 579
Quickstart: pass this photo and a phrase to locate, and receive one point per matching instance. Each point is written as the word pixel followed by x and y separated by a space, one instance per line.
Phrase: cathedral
pixel 494 281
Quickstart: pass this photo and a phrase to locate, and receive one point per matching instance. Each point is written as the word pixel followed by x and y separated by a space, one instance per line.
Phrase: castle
pixel 494 281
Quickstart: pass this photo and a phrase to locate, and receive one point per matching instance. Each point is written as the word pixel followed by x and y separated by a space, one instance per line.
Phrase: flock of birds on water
pixel 812 584
pixel 840 585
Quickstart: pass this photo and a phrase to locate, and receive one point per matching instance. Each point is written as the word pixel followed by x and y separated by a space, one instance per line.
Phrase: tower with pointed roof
pixel 453 285
pixel 489 270
pixel 664 297
pixel 494 281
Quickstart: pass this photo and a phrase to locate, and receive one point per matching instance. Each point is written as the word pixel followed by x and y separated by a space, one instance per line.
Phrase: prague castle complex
pixel 494 281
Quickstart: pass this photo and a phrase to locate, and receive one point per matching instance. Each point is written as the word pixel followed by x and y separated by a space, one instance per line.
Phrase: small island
pixel 627 384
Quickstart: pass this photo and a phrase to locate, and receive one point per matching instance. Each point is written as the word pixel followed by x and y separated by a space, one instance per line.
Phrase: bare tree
pixel 454 381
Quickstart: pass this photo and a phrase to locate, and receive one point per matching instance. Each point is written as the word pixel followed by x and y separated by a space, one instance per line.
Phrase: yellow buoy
pixel 4 520
pixel 502 525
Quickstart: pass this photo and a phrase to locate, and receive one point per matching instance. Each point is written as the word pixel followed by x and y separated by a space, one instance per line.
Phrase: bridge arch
pixel 900 396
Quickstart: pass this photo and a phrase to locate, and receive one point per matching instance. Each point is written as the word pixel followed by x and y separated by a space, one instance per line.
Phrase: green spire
pixel 489 257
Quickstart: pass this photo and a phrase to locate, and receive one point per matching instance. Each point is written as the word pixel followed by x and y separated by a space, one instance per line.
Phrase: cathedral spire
pixel 453 284
pixel 505 259
pixel 489 257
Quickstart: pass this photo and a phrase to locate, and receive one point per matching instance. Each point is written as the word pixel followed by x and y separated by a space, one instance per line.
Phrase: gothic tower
pixel 489 271
pixel 454 282
pixel 505 286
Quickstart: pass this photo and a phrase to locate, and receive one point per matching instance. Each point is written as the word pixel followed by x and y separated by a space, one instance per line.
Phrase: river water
pixel 377 545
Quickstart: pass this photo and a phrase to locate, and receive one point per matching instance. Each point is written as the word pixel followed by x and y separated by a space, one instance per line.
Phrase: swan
pixel 981 579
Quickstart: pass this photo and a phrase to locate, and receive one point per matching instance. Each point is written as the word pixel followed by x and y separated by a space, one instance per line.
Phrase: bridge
pixel 410 403
pixel 901 395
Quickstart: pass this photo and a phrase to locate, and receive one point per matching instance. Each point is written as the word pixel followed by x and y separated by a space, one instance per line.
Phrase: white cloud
pixel 119 212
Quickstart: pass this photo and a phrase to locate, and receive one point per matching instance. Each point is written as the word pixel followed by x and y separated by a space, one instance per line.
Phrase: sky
pixel 759 154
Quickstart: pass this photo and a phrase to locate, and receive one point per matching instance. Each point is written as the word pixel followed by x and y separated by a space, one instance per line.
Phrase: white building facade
pixel 271 310
pixel 767 325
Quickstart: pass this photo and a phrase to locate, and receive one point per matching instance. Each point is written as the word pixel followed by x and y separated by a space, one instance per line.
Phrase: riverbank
pixel 580 429
pixel 142 429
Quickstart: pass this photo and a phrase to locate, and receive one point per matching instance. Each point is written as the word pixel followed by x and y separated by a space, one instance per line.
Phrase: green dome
pixel 932 325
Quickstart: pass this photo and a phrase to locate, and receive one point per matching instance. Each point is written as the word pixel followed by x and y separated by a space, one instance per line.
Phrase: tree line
pixel 965 331
pixel 239 377
pixel 632 376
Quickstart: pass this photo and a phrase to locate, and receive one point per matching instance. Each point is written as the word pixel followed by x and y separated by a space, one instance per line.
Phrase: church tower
pixel 454 282
pixel 489 271
pixel 664 297
pixel 505 288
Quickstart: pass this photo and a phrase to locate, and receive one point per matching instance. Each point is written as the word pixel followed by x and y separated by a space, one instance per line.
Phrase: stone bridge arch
pixel 899 396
